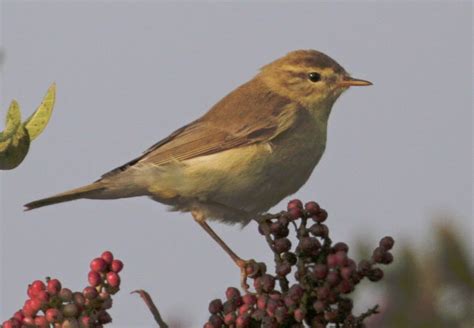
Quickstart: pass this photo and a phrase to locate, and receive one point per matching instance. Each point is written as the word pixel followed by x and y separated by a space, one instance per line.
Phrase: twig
pixel 153 309
pixel 367 314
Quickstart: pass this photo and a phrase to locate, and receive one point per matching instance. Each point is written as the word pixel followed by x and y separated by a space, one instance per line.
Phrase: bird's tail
pixel 92 190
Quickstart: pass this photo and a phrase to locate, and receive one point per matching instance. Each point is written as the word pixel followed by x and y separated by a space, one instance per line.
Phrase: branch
pixel 153 309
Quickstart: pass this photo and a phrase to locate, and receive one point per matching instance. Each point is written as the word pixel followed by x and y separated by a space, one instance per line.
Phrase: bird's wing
pixel 233 122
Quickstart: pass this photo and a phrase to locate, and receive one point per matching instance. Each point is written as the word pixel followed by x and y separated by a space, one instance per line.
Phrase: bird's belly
pixel 251 179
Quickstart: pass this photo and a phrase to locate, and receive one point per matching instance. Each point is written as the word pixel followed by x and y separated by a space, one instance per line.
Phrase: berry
pixel 116 266
pixel 232 294
pixel 268 283
pixel 215 306
pixel 216 321
pixel 53 287
pixel 319 230
pixel 321 216
pixel 230 318
pixel 90 293
pixel 282 245
pixel 98 265
pixel 387 258
pixel 94 278
pixel 386 243
pixel 53 315
pixel 107 256
pixel 375 274
pixel 41 322
pixel 113 279
pixel 295 203
pixel 70 310
pixel 312 208
pixel 70 323
pixel 282 269
pixel 341 247
pixel 320 271
pixel 65 294
pixel 249 299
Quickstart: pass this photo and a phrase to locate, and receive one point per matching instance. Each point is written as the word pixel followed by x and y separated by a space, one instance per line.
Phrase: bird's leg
pixel 242 264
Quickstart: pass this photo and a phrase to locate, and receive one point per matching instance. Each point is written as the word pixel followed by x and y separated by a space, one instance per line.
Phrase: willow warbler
pixel 256 146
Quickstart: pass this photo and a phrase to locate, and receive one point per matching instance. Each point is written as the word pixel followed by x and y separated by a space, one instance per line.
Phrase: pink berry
pixel 7 324
pixel 94 278
pixel 43 297
pixel 28 309
pixel 38 285
pixel 295 203
pixel 90 293
pixel 107 256
pixel 116 266
pixel 19 315
pixel 54 286
pixel 113 279
pixel 98 265
pixel 53 315
pixel 41 322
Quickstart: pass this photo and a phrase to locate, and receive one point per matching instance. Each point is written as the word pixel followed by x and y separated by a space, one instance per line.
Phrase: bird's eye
pixel 314 77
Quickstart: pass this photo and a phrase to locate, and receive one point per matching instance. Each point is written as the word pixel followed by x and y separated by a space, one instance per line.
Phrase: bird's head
pixel 308 77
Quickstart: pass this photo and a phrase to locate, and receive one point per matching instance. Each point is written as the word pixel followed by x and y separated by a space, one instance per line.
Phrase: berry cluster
pixel 323 276
pixel 51 305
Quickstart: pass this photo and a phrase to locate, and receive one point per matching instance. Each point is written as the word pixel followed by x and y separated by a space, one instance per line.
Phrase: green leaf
pixel 14 150
pixel 36 123
pixel 12 122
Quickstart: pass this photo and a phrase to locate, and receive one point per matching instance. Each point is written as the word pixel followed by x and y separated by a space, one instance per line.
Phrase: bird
pixel 254 147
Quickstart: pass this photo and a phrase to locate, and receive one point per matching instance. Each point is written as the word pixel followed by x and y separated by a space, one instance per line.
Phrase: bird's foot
pixel 248 268
pixel 267 216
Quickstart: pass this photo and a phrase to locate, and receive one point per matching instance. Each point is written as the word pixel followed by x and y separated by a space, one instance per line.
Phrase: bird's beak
pixel 348 81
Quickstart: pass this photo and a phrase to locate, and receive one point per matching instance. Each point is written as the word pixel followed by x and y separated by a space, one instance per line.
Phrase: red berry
pixel 345 287
pixel 38 285
pixel 249 299
pixel 28 322
pixel 7 324
pixel 54 286
pixel 85 322
pixel 242 321
pixel 98 265
pixel 232 293
pixel 295 213
pixel 53 315
pixel 295 203
pixel 107 256
pixel 312 208
pixel 43 297
pixel 19 315
pixel 116 266
pixel 320 271
pixel 94 278
pixel 230 318
pixel 41 322
pixel 113 279
pixel 299 315
pixel 387 243
pixel 346 273
pixel 90 293
pixel 29 310
pixel 215 306
pixel 262 302
pixel 104 317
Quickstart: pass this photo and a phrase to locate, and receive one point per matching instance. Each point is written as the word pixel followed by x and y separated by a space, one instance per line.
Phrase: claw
pixel 247 269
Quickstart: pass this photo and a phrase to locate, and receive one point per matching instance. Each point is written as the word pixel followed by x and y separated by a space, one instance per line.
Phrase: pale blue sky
pixel 128 74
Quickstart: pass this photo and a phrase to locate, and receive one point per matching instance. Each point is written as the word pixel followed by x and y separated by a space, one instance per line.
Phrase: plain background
pixel 128 74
